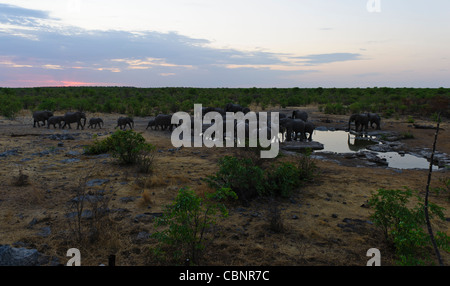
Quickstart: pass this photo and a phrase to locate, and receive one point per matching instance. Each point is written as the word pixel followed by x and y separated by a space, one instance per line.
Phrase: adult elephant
pixel 231 107
pixel 309 128
pixel 55 120
pixel 374 118
pixel 294 126
pixel 164 121
pixel 72 117
pixel 361 120
pixel 41 115
pixel 122 122
pixel 300 114
pixel 93 122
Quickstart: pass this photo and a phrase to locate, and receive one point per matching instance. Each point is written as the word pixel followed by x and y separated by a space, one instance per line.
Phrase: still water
pixel 343 142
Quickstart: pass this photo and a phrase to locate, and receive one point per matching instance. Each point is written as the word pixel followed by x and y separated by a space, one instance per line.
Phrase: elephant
pixel 72 117
pixel 374 118
pixel 299 114
pixel 151 124
pixel 93 122
pixel 294 126
pixel 55 120
pixel 231 107
pixel 219 110
pixel 164 121
pixel 123 121
pixel 360 120
pixel 41 115
pixel 309 128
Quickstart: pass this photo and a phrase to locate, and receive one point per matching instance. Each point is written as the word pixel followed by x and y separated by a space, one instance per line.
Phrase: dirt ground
pixel 325 223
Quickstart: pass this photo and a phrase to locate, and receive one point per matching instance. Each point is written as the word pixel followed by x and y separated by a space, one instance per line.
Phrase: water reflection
pixel 343 142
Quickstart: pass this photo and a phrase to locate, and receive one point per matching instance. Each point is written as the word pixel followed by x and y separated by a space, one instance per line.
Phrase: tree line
pixel 152 101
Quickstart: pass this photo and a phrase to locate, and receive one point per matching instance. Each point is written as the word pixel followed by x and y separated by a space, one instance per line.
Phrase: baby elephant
pixel 151 124
pixel 93 122
pixel 55 120
pixel 123 121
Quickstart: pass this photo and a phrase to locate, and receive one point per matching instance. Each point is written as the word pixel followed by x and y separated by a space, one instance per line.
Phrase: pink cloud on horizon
pixel 50 83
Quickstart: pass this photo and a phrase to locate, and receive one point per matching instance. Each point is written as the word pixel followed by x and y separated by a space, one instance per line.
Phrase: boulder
pixel 11 256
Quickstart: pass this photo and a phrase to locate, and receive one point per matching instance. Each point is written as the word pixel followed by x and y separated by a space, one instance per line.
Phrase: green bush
pixel 9 105
pixel 128 146
pixel 240 175
pixel 283 179
pixel 249 180
pixel 404 226
pixel 187 223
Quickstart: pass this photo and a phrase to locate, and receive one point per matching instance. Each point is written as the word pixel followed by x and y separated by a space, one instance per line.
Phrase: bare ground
pixel 326 223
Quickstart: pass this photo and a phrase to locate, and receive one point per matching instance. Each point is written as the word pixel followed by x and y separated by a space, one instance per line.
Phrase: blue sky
pixel 212 43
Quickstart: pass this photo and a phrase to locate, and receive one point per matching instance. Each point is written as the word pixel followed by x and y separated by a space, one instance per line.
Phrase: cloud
pixel 13 12
pixel 40 45
pixel 329 58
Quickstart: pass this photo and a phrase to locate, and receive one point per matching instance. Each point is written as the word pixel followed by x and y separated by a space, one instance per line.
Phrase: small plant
pixel 188 221
pixel 410 119
pixel 404 226
pixel 408 135
pixel 307 167
pixel 20 180
pixel 145 158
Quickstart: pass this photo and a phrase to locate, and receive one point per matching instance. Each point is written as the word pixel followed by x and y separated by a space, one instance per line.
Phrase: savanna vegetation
pixel 186 227
pixel 151 101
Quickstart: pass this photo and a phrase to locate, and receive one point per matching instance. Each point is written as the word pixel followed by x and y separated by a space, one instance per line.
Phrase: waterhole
pixel 342 142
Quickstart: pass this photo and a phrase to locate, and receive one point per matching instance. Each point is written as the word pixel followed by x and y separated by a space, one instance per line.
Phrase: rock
pixel 96 182
pixel 127 199
pixel 72 153
pixel 10 256
pixel 85 214
pixel 88 198
pixel 32 223
pixel 146 217
pixel 419 126
pixel 142 236
pixel 300 146
pixel 72 160
pixel 321 128
pixel 11 152
pixel 60 137
pixel 45 231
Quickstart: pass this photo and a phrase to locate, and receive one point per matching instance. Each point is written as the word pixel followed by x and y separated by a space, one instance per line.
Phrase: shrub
pixel 99 146
pixel 187 222
pixel 248 179
pixel 128 146
pixel 281 180
pixel 307 167
pixel 404 226
pixel 241 176
pixel 9 106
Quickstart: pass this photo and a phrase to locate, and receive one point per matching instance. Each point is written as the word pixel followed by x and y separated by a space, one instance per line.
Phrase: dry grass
pixel 307 229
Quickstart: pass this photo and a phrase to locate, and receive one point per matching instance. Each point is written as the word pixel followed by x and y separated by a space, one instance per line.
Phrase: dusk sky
pixel 212 43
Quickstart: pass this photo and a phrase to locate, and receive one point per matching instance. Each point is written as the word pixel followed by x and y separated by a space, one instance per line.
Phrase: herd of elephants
pixel 294 125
